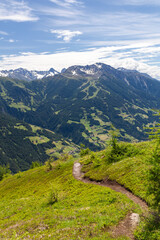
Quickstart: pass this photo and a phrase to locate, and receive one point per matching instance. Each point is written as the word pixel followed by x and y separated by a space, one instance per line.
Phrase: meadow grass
pixel 20 105
pixel 21 127
pixel 130 171
pixel 39 139
pixel 133 173
pixel 81 211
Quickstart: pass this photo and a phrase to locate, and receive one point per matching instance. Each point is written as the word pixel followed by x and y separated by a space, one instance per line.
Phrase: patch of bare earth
pixel 129 223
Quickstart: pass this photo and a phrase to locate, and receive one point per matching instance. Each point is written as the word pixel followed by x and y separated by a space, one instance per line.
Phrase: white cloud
pixel 60 12
pixel 66 3
pixel 11 40
pixel 108 25
pixel 116 56
pixel 67 35
pixel 17 11
pixel 71 1
pixel 3 33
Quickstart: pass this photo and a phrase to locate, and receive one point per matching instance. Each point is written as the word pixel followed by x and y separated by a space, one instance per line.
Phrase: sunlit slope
pixel 81 211
pixel 129 168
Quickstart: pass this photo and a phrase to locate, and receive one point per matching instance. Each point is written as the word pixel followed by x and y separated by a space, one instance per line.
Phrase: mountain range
pixel 24 74
pixel 83 102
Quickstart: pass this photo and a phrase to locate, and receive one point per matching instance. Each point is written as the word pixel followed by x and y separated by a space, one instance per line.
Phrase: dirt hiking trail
pixel 128 224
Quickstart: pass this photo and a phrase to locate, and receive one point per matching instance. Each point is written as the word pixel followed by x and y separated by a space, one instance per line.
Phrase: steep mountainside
pixel 22 143
pixel 83 102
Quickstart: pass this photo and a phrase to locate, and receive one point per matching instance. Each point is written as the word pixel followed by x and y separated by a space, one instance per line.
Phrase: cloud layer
pixel 127 56
pixel 17 11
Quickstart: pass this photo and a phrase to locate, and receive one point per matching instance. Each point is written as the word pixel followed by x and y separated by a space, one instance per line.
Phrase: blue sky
pixel 41 34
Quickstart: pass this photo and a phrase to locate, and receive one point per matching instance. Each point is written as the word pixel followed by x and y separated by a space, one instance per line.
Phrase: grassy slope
pixel 129 171
pixel 132 172
pixel 83 211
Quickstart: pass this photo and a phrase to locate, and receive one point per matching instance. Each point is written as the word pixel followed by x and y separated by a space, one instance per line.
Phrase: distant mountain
pixel 24 74
pixel 83 102
pixel 95 70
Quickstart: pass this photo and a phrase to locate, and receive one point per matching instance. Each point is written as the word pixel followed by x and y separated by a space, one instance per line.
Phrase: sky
pixel 44 34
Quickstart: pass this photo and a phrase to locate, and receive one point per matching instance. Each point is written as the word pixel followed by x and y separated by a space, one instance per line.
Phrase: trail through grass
pixel 83 211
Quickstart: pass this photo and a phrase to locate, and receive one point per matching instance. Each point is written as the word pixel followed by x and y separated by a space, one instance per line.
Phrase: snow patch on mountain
pixel 3 74
pixel 88 71
pixel 24 74
pixel 99 65
pixel 91 70
pixel 74 73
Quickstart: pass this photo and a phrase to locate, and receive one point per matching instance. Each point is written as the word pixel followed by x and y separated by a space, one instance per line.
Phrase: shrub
pixel 121 150
pixel 64 157
pixel 53 197
pixel 149 228
pixel 35 164
pixel 84 151
pixel 49 165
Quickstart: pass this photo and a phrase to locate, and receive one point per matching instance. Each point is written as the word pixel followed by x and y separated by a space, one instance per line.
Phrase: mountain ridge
pixel 30 75
pixel 84 101
pixel 24 74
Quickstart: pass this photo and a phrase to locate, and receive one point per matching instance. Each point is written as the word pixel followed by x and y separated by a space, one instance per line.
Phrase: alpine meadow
pixel 79 120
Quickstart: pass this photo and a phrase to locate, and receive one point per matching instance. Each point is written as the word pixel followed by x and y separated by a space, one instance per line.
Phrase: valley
pixel 22 143
pixel 79 120
pixel 95 116
pixel 82 103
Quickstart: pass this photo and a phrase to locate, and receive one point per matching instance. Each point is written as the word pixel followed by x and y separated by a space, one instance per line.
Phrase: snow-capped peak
pixel 94 69
pixel 24 74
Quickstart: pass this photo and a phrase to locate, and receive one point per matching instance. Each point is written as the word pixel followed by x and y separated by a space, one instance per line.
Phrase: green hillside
pixel 81 106
pixel 48 203
pixel 22 143
pixel 82 211
pixel 131 170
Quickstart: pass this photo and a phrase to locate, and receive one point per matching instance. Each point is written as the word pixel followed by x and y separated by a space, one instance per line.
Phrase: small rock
pixel 135 219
